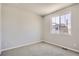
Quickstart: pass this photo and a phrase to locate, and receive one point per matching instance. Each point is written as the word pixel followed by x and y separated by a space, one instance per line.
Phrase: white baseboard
pixel 30 43
pixel 74 50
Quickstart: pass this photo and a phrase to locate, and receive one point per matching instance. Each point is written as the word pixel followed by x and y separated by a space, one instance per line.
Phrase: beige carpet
pixel 39 49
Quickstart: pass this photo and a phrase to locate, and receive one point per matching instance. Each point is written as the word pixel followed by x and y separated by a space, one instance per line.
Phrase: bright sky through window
pixel 61 24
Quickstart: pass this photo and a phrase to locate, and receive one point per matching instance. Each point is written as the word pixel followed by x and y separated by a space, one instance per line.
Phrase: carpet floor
pixel 39 49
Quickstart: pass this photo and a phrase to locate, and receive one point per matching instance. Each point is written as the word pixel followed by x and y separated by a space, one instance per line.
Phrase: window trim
pixel 60 23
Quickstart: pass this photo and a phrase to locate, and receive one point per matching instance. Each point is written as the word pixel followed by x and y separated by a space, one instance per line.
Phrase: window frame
pixel 60 22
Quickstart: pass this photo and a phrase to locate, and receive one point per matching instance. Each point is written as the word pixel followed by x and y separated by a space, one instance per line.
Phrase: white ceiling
pixel 42 8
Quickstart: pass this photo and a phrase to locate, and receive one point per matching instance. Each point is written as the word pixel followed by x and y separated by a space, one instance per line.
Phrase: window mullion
pixel 59 22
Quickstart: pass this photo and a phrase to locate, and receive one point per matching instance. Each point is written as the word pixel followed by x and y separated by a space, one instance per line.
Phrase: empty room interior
pixel 39 29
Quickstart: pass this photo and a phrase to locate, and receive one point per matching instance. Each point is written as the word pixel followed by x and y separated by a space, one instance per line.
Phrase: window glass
pixel 61 24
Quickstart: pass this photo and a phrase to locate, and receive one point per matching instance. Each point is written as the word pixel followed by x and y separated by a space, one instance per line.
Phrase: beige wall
pixel 22 27
pixel 69 41
pixel 19 26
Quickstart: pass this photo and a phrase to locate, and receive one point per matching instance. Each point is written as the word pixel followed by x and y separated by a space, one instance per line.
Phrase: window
pixel 61 24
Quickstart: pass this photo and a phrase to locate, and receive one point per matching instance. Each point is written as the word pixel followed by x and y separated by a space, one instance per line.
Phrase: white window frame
pixel 58 32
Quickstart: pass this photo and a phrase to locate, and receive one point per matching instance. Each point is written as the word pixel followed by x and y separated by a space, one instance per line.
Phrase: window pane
pixel 63 19
pixel 57 19
pixel 55 26
pixel 61 24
